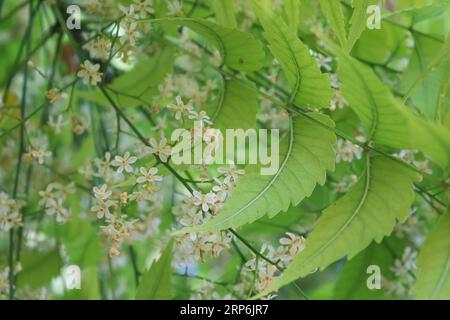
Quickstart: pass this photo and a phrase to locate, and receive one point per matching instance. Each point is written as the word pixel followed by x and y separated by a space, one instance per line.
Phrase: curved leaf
pixel 236 108
pixel 307 155
pixel 333 11
pixel 433 277
pixel 388 121
pixel 156 282
pixel 309 87
pixel 238 49
pixel 367 212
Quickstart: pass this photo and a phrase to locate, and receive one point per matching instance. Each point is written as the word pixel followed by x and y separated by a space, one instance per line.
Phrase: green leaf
pixel 388 121
pixel 292 12
pixel 156 282
pixel 225 12
pixel 39 268
pixel 367 212
pixel 309 87
pixel 89 286
pixel 138 85
pixel 433 277
pixel 422 79
pixel 358 21
pixel 238 49
pixel 352 281
pixel 307 153
pixel 333 12
pixel 236 107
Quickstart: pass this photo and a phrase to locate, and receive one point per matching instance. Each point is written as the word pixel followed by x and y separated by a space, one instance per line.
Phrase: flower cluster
pixel 10 216
pixel 112 201
pixel 53 198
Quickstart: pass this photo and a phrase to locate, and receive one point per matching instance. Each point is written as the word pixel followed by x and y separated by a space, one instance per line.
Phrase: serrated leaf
pixel 368 212
pixel 433 262
pixel 236 107
pixel 239 50
pixel 358 21
pixel 352 281
pixel 156 282
pixel 388 121
pixel 307 154
pixel 292 12
pixel 225 12
pixel 39 268
pixel 309 87
pixel 333 12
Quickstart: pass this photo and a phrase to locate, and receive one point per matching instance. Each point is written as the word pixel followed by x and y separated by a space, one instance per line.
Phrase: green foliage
pixel 236 106
pixel 352 282
pixel 305 156
pixel 239 50
pixel 358 21
pixel 39 268
pixel 433 277
pixel 155 283
pixel 368 212
pixel 309 87
pixel 333 12
pixel 382 113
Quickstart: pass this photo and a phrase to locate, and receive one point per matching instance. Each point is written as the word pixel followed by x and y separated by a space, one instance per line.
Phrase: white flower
pixel 231 173
pixel 200 116
pixel 102 193
pixel 346 151
pixel 161 149
pixel 204 200
pixel 124 163
pixel 174 8
pixel 55 207
pixel 102 209
pixel 180 108
pixel 38 154
pixel 58 124
pixel 90 71
pixel 47 196
pixel 130 34
pixel 148 176
pixel 143 7
pixel 294 243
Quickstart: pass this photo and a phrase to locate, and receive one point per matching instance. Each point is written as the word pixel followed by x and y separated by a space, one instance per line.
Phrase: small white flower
pixel 231 173
pixel 204 200
pixel 294 243
pixel 102 209
pixel 55 207
pixel 148 176
pixel 124 163
pixel 102 193
pixel 200 116
pixel 90 71
pixel 161 149
pixel 180 108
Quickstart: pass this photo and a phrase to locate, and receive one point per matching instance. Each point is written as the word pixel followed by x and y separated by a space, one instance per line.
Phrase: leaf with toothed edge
pixel 307 155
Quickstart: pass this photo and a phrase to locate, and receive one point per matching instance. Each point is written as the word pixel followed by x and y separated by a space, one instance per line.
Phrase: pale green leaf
pixel 388 121
pixel 433 262
pixel 225 12
pixel 39 268
pixel 333 12
pixel 155 283
pixel 309 87
pixel 369 211
pixel 292 12
pixel 239 50
pixel 352 281
pixel 358 21
pixel 305 156
pixel 236 107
